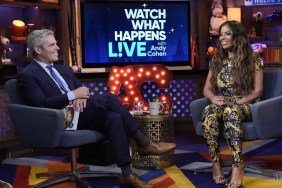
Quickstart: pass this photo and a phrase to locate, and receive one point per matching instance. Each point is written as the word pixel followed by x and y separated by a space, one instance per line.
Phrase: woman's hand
pixel 221 100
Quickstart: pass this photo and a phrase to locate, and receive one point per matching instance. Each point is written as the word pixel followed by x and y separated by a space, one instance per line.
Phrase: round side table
pixel 157 128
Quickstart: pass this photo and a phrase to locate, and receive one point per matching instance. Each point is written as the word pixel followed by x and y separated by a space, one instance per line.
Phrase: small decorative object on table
pixel 138 107
pixel 167 108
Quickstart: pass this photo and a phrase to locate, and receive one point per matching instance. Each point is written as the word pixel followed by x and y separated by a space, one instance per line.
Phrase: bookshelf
pixel 51 14
pixel 272 58
pixel 272 54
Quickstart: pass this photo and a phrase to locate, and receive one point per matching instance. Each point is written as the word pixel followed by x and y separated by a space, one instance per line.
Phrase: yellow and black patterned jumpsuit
pixel 232 116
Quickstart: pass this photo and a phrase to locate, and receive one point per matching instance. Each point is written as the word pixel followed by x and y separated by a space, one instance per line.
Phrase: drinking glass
pixel 138 108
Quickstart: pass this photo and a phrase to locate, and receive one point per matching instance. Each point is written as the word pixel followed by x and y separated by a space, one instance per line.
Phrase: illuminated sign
pixel 131 78
pixel 266 2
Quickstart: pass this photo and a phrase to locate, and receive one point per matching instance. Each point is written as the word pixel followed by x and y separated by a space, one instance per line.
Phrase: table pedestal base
pixel 157 128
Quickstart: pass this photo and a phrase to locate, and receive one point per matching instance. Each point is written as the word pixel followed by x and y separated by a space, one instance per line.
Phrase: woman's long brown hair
pixel 243 59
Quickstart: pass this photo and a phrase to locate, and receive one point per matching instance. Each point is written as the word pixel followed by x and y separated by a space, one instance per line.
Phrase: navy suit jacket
pixel 39 89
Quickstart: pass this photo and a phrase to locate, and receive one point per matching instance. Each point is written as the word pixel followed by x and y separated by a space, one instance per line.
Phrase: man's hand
pixel 81 93
pixel 79 104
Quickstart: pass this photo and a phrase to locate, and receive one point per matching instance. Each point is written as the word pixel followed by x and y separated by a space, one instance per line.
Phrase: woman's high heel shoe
pixel 219 180
pixel 234 185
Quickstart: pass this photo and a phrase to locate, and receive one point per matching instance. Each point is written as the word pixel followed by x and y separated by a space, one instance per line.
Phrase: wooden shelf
pixel 28 59
pixel 18 41
pixel 28 4
pixel 271 23
pixel 272 65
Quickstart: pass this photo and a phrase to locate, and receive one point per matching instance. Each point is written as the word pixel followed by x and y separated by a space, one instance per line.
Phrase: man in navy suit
pixel 46 84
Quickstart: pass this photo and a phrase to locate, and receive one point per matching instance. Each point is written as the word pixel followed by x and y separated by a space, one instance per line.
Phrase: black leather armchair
pixel 267 116
pixel 43 128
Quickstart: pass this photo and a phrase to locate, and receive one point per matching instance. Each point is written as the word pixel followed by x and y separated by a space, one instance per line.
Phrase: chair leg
pixel 252 168
pixel 55 180
pixel 76 175
pixel 208 168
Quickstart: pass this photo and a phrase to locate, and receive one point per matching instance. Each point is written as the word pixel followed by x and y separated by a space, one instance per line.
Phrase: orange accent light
pixel 18 30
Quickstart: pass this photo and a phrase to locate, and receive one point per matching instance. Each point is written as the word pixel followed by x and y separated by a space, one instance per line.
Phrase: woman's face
pixel 225 37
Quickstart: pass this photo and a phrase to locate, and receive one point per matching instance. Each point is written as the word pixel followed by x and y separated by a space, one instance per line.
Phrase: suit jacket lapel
pixel 64 74
pixel 43 75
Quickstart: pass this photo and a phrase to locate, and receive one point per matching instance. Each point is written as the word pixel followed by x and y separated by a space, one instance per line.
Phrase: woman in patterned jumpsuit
pixel 233 84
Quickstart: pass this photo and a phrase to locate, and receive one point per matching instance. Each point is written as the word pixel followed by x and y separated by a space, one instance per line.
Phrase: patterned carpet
pixel 20 172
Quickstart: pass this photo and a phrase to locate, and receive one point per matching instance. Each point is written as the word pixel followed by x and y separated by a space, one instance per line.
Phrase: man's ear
pixel 37 49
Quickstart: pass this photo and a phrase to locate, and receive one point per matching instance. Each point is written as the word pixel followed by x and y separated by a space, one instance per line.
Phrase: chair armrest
pixel 197 106
pixel 267 118
pixel 37 127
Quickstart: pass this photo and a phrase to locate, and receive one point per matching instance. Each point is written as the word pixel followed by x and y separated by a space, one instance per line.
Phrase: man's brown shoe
pixel 156 148
pixel 133 181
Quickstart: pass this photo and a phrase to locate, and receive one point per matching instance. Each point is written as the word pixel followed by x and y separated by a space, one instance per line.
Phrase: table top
pixel 146 115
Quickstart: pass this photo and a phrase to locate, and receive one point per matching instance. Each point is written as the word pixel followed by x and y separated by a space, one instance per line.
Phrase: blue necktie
pixel 56 78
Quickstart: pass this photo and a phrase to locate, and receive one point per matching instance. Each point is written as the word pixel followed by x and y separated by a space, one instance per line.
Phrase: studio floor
pixel 191 153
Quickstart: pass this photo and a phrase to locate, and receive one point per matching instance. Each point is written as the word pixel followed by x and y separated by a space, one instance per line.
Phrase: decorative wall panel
pixel 6 126
pixel 182 92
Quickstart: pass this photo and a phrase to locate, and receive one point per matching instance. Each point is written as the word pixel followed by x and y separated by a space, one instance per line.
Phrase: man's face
pixel 48 53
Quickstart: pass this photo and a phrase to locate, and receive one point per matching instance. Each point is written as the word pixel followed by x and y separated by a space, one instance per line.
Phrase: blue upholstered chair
pixel 43 128
pixel 267 116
